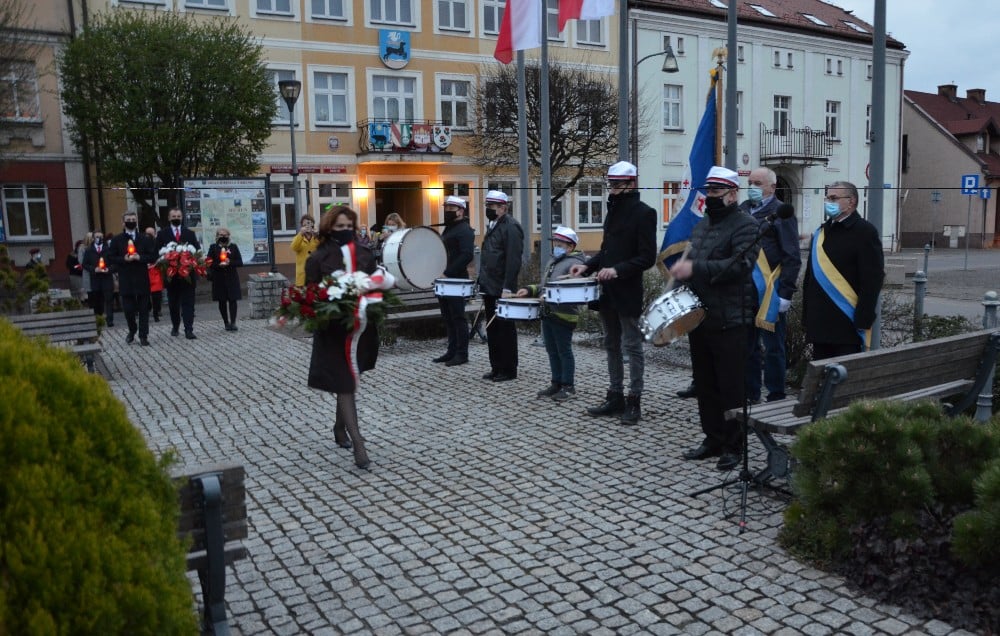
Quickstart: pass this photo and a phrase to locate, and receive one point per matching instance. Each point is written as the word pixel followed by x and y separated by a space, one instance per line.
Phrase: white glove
pixel 783 305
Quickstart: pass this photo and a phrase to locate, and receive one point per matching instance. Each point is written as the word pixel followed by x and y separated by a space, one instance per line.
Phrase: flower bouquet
pixel 340 297
pixel 182 259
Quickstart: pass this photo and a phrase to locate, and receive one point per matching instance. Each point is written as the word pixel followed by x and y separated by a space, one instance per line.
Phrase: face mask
pixel 389 229
pixel 450 216
pixel 558 252
pixel 491 214
pixel 364 232
pixel 130 225
pixel 831 209
pixel 714 204
pixel 343 237
pixel 98 240
pixel 223 240
pixel 175 222
pixel 755 194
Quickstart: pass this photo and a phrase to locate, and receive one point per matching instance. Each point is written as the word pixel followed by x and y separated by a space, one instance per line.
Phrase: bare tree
pixel 583 119
pixel 18 75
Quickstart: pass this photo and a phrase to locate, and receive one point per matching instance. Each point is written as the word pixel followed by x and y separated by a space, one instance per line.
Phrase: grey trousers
pixel 622 333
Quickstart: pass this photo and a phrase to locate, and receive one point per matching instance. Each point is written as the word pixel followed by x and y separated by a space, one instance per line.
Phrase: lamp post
pixel 290 90
pixel 669 66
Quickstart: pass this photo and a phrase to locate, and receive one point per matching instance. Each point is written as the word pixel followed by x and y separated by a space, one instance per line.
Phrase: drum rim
pixel 396 246
pixel 573 283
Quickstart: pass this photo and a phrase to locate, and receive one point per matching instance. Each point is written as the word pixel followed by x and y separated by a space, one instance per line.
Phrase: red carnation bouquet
pixel 337 297
pixel 182 259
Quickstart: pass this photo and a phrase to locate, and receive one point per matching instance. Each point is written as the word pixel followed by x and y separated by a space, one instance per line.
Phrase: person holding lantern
pixel 224 257
pixel 102 280
pixel 131 253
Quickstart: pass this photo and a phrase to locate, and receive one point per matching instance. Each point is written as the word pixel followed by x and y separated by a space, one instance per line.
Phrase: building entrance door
pixel 405 198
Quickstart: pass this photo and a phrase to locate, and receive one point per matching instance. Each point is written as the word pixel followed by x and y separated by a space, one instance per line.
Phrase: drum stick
pixel 671 281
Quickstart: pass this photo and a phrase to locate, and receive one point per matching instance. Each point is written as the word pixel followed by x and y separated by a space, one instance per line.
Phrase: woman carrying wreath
pixel 339 354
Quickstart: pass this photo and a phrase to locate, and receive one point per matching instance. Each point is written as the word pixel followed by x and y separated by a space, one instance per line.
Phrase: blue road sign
pixel 970 184
pixel 984 193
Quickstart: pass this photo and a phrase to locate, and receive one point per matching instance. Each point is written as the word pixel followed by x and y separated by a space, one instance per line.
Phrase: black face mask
pixel 450 216
pixel 342 237
pixel 223 240
pixel 175 222
pixel 714 204
pixel 130 225
pixel 98 240
pixel 491 214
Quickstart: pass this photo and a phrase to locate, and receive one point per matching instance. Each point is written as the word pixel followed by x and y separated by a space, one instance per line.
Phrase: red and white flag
pixel 584 10
pixel 521 29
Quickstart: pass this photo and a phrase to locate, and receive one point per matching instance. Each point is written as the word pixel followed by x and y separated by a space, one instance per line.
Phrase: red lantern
pixel 100 263
pixel 223 256
pixel 130 250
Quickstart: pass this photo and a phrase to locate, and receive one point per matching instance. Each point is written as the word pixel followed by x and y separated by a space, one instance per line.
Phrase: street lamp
pixel 669 66
pixel 290 90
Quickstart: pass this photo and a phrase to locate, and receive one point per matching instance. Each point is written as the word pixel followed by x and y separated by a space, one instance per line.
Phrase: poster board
pixel 239 204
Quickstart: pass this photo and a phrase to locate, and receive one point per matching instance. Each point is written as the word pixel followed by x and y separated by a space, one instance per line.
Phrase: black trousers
pixel 136 310
pixel 180 301
pixel 103 304
pixel 718 359
pixel 156 303
pixel 453 313
pixel 501 336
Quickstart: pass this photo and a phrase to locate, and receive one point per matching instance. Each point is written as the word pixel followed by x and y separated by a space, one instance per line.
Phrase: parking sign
pixel 970 184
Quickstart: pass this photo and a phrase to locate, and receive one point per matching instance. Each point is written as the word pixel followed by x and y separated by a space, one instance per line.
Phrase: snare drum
pixel 519 308
pixel 454 287
pixel 578 291
pixel 415 256
pixel 672 315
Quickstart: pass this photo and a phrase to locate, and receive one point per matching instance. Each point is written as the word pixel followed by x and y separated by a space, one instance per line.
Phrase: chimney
pixel 948 90
pixel 977 94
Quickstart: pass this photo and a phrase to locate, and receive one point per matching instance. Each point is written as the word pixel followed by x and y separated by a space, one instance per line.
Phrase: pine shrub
pixel 88 517
pixel 976 534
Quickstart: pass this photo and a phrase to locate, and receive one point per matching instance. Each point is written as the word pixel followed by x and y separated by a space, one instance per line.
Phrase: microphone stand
pixel 745 477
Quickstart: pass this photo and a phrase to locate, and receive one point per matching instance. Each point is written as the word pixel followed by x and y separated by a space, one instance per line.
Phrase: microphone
pixel 784 211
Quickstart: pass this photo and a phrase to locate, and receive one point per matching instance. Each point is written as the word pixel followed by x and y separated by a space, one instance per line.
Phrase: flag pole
pixel 545 196
pixel 718 104
pixel 522 155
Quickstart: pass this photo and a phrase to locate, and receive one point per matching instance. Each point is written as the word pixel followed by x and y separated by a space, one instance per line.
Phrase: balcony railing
pixel 794 145
pixel 404 136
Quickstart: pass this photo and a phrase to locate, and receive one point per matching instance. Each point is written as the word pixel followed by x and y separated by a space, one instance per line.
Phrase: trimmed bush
pixel 976 535
pixel 88 518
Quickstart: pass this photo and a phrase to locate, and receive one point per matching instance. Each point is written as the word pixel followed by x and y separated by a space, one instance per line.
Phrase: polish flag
pixel 584 10
pixel 521 29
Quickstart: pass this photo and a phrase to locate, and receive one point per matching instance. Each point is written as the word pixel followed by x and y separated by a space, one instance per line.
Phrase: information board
pixel 240 205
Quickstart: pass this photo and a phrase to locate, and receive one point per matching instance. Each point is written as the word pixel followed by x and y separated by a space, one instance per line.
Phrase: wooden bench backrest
pixel 234 504
pixel 59 326
pixel 888 372
pixel 417 299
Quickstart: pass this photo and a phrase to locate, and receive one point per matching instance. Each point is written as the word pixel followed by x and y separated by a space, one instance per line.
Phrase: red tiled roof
pixel 788 14
pixel 992 163
pixel 959 116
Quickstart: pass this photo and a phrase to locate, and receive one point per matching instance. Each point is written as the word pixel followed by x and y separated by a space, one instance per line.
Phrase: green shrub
pixel 976 534
pixel 87 516
pixel 18 286
pixel 957 450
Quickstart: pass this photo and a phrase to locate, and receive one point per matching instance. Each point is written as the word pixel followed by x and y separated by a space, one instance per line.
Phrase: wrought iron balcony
pixel 801 146
pixel 418 136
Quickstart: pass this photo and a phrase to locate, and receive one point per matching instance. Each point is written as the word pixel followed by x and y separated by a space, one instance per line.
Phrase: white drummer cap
pixel 495 196
pixel 565 234
pixel 622 170
pixel 453 200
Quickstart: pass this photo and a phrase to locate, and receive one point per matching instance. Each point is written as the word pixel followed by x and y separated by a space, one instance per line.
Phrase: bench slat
pixel 234 552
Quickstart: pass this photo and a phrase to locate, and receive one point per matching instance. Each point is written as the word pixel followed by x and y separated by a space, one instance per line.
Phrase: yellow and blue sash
pixel 834 285
pixel 767 292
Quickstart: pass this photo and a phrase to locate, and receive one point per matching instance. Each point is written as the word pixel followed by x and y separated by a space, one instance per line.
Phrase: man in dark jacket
pixel 717 269
pixel 838 321
pixel 180 292
pixel 780 243
pixel 627 250
pixel 459 245
pixel 102 279
pixel 499 265
pixel 131 253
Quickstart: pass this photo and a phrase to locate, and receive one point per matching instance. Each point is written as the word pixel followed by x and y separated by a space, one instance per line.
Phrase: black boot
pixel 632 412
pixel 614 404
pixel 340 432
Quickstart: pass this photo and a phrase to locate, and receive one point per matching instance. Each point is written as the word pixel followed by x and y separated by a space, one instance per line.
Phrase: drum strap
pixel 765 279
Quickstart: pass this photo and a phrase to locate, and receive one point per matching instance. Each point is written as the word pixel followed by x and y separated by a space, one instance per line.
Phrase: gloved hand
pixel 783 305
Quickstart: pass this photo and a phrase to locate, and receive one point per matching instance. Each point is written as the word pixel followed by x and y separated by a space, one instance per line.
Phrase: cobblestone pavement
pixel 486 511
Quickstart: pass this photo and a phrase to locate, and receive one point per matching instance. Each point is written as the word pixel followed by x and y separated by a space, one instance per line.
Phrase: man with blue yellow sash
pixel 843 277
pixel 775 275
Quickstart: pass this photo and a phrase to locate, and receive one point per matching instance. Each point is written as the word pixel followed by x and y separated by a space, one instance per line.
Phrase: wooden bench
pixel 75 330
pixel 422 304
pixel 214 520
pixel 954 366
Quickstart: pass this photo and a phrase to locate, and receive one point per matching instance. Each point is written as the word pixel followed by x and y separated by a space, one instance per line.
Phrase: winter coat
pixel 459 244
pixel 133 276
pixel 500 258
pixel 225 280
pixel 99 282
pixel 558 268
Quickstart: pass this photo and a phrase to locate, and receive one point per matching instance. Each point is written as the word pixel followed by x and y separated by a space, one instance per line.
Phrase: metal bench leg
pixel 214 580
pixel 89 361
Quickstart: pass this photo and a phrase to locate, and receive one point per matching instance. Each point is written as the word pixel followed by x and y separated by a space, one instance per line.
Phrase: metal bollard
pixel 919 291
pixel 990 304
pixel 984 403
pixel 927 254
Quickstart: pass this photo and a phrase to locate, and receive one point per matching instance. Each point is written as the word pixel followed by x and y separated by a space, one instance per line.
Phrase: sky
pixel 950 41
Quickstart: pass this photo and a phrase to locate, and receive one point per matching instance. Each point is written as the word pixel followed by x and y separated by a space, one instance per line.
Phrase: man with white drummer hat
pixel 627 250
pixel 499 266
pixel 459 245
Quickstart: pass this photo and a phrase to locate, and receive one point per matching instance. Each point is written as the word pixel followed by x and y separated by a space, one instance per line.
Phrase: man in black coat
pixel 627 250
pixel 851 245
pixel 780 243
pixel 131 252
pixel 102 279
pixel 459 245
pixel 180 292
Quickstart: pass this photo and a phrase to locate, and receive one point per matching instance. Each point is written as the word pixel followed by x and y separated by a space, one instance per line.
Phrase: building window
pixel 552 20
pixel 980 143
pixel 274 76
pixel 328 9
pixel 677 46
pixel 589 32
pixel 672 114
pixel 205 4
pixel 782 108
pixel 278 7
pixel 283 207
pixel 868 124
pixel 833 120
pixel 393 97
pixel 335 192
pixel 493 16
pixel 840 67
pixel 869 71
pixel 590 204
pixel 739 112
pixel 507 187
pixel 454 100
pixel 672 201
pixel 330 98
pixel 19 93
pixel 740 54
pixel 788 56
pixel 392 11
pixel 557 208
pixel 459 189
pixel 26 211
pixel 452 14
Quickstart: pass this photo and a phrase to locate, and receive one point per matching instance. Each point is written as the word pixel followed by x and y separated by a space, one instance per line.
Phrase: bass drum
pixel 415 256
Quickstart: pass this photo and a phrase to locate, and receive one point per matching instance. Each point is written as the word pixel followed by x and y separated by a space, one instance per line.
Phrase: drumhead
pixel 415 256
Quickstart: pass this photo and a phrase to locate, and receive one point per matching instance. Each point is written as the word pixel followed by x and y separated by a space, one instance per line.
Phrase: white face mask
pixel 389 229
